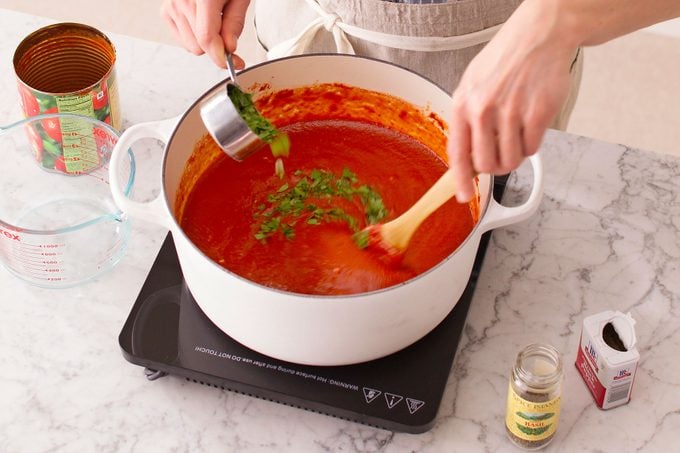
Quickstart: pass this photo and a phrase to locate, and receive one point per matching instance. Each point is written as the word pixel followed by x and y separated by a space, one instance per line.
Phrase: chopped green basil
pixel 287 204
pixel 361 238
pixel 278 168
pixel 279 143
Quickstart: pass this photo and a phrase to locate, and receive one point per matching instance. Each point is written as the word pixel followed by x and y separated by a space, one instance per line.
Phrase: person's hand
pixel 508 96
pixel 207 26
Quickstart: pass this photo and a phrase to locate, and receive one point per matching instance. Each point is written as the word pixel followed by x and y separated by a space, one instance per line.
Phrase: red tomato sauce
pixel 218 213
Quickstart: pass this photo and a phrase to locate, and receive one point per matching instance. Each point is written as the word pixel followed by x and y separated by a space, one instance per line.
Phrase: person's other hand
pixel 207 26
pixel 508 96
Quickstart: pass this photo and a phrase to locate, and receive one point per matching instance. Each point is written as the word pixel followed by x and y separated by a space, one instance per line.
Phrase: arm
pixel 512 90
pixel 207 26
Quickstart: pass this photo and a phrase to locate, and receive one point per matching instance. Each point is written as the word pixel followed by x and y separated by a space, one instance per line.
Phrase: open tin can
pixel 67 68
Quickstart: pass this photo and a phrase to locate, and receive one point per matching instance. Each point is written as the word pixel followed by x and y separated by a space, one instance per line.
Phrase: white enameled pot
pixel 316 330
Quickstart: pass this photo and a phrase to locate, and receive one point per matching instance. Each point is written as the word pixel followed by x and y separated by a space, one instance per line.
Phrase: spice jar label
pixel 530 420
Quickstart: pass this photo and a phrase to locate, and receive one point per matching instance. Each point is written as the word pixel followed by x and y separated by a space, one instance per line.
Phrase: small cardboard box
pixel 607 358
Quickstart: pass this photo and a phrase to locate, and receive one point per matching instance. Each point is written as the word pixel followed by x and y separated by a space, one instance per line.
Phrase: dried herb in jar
pixel 534 397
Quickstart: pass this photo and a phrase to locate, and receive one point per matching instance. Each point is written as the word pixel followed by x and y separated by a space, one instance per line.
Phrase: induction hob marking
pixel 392 399
pixel 371 394
pixel 414 405
pixel 277 368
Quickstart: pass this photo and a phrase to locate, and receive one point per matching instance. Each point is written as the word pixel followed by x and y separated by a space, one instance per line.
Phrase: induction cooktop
pixel 167 333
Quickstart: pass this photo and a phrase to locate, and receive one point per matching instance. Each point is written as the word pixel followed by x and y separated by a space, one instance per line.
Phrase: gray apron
pixel 435 40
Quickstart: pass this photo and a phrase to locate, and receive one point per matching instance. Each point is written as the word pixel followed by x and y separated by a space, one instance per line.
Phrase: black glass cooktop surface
pixel 167 333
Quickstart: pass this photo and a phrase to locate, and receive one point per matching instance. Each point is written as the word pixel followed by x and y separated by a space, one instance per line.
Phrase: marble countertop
pixel 606 236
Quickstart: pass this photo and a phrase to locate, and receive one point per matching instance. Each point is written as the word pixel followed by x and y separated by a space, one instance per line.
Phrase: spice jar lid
pixel 624 325
pixel 610 323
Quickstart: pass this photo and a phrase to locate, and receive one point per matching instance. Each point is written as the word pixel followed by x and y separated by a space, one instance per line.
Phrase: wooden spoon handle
pixel 398 232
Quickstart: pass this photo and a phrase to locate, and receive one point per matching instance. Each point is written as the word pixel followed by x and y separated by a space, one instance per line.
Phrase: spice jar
pixel 534 396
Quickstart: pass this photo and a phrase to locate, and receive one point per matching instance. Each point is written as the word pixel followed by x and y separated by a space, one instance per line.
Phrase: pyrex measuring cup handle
pixel 498 215
pixel 153 210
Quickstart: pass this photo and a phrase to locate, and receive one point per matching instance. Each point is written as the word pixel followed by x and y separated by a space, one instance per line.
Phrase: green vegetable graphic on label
pixel 535 417
pixel 533 431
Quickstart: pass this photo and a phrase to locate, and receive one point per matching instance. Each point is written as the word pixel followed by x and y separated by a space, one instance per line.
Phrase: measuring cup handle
pixel 153 210
pixel 498 215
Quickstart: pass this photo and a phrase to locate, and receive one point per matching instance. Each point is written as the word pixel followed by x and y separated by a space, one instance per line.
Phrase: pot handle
pixel 498 215
pixel 153 210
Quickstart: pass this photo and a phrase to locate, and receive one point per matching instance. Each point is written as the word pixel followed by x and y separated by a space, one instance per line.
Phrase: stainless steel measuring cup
pixel 59 225
pixel 224 123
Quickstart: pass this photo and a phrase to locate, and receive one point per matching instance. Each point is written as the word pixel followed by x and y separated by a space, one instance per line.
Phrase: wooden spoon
pixel 392 238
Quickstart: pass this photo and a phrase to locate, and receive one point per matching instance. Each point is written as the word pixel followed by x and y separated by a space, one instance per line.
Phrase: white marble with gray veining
pixel 607 236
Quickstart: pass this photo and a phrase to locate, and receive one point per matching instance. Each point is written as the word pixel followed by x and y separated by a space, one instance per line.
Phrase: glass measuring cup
pixel 59 225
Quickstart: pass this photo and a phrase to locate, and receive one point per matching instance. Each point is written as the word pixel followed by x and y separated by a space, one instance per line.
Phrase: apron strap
pixel 298 44
pixel 332 23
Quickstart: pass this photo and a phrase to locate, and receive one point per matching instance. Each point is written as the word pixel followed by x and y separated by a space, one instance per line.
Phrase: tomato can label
pixel 67 68
pixel 607 358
